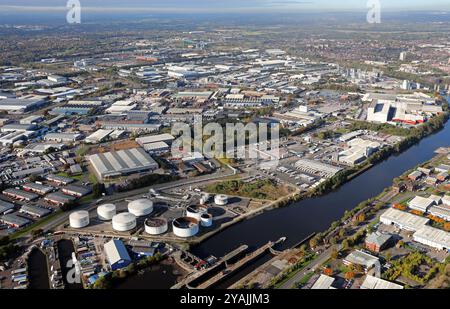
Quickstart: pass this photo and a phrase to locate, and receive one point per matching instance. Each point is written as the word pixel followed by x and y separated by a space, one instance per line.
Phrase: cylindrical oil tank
pixel 221 200
pixel 156 226
pixel 141 207
pixel 196 211
pixel 124 222
pixel 204 198
pixel 185 227
pixel 79 219
pixel 106 212
pixel 206 220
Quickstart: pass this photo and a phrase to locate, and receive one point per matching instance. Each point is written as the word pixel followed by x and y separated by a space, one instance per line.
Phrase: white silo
pixel 205 198
pixel 221 200
pixel 156 226
pixel 106 212
pixel 79 219
pixel 185 227
pixel 195 211
pixel 141 207
pixel 206 220
pixel 124 222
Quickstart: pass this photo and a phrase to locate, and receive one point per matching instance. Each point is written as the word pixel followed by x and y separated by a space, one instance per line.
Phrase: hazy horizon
pixel 220 6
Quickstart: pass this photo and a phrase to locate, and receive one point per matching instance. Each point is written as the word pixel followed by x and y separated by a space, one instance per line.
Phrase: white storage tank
pixel 205 198
pixel 79 219
pixel 141 208
pixel 206 220
pixel 221 200
pixel 196 211
pixel 185 227
pixel 156 226
pixel 124 222
pixel 106 212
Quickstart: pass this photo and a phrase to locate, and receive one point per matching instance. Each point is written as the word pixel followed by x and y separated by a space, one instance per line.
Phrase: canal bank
pixel 316 214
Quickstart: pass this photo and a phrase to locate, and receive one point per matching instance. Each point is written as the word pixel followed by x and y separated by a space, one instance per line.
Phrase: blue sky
pixel 224 5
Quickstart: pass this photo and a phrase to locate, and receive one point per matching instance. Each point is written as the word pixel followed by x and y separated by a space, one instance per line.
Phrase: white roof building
pixel 98 136
pixel 441 211
pixel 323 283
pixel 166 138
pixel 403 220
pixel 433 237
pixel 374 283
pixel 421 203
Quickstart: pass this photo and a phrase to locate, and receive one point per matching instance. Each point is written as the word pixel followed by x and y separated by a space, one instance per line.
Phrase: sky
pixel 222 6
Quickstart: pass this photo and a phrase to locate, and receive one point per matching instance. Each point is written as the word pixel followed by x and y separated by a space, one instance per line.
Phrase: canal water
pixel 65 249
pixel 299 220
pixel 161 276
pixel 38 270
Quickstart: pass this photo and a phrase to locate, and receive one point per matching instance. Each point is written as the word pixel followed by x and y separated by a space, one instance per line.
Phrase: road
pixel 322 258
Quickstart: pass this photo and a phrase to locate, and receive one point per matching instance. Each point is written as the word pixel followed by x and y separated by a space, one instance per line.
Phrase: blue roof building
pixel 117 255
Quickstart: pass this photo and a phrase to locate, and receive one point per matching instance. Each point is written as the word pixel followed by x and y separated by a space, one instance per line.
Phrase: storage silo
pixel 206 220
pixel 196 211
pixel 185 227
pixel 124 222
pixel 141 207
pixel 106 212
pixel 221 200
pixel 156 226
pixel 79 219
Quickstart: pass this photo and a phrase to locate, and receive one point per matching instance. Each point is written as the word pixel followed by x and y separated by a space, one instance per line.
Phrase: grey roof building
pixel 5 206
pixel 121 163
pixel 35 211
pixel 14 220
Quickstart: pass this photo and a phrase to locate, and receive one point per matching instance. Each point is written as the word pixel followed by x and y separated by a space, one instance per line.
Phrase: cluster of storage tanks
pixel 122 222
pixel 219 199
pixel 187 226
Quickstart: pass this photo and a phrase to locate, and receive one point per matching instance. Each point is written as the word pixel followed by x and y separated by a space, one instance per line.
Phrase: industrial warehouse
pixel 121 163
pixel 422 233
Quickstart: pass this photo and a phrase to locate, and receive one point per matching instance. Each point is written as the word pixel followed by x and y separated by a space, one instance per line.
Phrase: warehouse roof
pixel 361 258
pixel 38 187
pixel 58 178
pixel 115 251
pixel 82 190
pixel 5 206
pixel 323 283
pixel 112 164
pixel 60 198
pixel 13 219
pixel 406 220
pixel 35 210
pixel 434 235
pixel 155 138
pixel 156 146
pixel 421 203
pixel 374 283
pixel 98 136
pixel 21 193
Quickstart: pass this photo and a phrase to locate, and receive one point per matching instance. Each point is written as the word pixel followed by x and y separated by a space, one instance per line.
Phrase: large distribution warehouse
pixel 121 163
